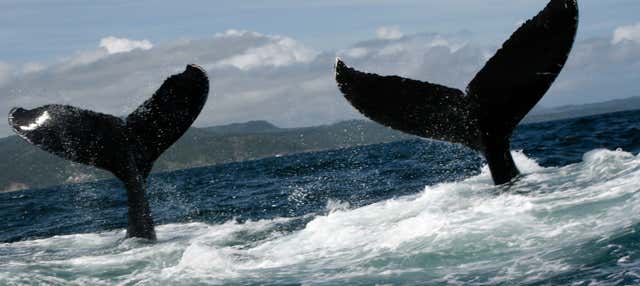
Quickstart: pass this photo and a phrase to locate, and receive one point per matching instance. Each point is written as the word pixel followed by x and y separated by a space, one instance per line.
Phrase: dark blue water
pixel 410 212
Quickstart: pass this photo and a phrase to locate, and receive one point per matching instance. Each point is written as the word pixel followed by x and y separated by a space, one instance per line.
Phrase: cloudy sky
pixel 273 59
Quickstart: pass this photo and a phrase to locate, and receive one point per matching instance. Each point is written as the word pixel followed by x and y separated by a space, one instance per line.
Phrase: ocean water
pixel 416 212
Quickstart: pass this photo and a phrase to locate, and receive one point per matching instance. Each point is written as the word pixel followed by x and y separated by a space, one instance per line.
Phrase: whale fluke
pixel 127 148
pixel 496 100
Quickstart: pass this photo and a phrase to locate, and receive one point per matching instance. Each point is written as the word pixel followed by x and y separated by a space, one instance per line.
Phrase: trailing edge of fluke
pixel 499 96
pixel 127 148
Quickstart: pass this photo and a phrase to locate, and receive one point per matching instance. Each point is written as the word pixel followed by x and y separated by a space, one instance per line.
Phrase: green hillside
pixel 25 166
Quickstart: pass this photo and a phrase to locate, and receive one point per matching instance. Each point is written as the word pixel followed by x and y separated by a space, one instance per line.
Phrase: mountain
pixel 257 126
pixel 25 166
pixel 571 111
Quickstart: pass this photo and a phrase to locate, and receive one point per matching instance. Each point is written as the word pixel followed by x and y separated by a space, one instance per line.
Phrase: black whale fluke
pixel 499 96
pixel 127 148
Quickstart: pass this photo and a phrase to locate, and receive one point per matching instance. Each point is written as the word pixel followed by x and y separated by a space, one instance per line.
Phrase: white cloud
pixel 388 33
pixel 84 58
pixel 626 33
pixel 599 69
pixel 118 83
pixel 236 33
pixel 445 59
pixel 280 51
pixel 10 72
pixel 115 45
pixel 298 88
pixel 452 45
pixel 107 46
pixel 393 49
pixel 5 73
pixel 32 67
pixel 356 53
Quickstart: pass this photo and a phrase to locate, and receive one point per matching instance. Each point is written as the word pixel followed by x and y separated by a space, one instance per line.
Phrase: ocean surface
pixel 415 212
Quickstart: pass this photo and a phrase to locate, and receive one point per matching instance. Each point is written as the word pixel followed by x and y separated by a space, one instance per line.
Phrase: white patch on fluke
pixel 39 122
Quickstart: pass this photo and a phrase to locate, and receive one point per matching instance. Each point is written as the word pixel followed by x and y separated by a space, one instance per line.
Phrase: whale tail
pixel 127 148
pixel 496 100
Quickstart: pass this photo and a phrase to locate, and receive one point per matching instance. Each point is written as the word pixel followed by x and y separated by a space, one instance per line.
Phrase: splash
pixel 550 222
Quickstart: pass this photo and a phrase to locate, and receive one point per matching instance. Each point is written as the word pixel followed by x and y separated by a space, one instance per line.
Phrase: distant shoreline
pixel 23 166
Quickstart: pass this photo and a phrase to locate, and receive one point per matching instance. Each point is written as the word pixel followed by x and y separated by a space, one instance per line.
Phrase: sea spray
pixel 466 232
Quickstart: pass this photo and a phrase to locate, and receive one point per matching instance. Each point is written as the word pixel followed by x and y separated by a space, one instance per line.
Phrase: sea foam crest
pixel 448 233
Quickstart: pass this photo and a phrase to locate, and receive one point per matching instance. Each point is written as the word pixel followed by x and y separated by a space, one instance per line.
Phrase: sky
pixel 273 60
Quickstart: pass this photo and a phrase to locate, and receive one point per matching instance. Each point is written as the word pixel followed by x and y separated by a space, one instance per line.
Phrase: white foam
pixel 445 234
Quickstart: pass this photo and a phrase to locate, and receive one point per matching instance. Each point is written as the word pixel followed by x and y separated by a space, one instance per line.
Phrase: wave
pixel 552 225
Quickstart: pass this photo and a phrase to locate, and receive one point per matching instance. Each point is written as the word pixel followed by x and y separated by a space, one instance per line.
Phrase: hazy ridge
pixel 25 166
